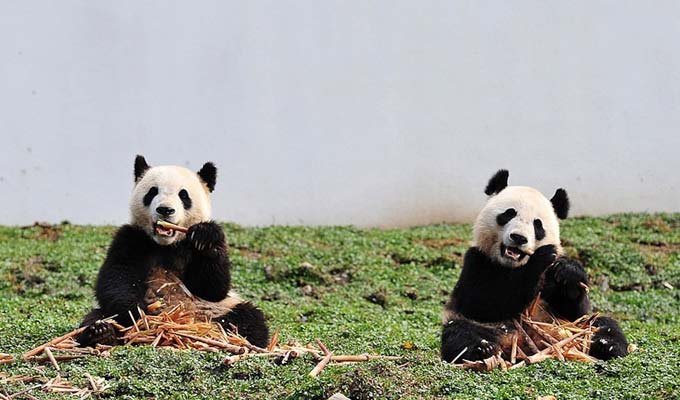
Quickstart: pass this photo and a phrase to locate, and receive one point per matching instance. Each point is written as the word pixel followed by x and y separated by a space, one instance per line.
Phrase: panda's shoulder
pixel 474 255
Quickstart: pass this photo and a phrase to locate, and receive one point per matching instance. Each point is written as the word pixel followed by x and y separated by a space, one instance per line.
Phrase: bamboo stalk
pixel 321 365
pixel 534 304
pixel 513 351
pixel 274 341
pixel 229 347
pixel 168 225
pixel 544 354
pixel 459 355
pixel 362 357
pixel 526 337
pixel 6 358
pixel 322 347
pixel 52 342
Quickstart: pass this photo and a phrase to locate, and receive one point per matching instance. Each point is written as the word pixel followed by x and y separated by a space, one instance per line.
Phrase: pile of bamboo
pixel 534 341
pixel 177 328
pixel 180 329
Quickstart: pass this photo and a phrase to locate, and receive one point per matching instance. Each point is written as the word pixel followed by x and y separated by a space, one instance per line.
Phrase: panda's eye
pixel 538 228
pixel 186 200
pixel 150 195
pixel 506 216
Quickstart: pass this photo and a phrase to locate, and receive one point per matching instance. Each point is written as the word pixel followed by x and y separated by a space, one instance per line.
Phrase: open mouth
pixel 512 253
pixel 160 231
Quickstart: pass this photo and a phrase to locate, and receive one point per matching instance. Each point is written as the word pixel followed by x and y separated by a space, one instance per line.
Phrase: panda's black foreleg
pixel 468 340
pixel 565 289
pixel 249 322
pixel 97 331
pixel 207 274
pixel 609 340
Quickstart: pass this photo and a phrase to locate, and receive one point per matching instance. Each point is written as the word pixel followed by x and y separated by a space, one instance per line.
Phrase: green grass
pixel 47 275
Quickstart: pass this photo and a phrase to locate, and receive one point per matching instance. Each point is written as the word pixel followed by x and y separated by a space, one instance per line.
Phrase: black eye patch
pixel 538 228
pixel 150 195
pixel 506 216
pixel 186 200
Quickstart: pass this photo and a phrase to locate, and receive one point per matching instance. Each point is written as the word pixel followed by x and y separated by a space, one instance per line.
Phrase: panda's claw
pixel 205 236
pixel 100 332
pixel 484 349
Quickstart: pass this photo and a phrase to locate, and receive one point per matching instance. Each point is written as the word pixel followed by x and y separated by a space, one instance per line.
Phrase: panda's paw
pixel 100 332
pixel 544 256
pixel 206 236
pixel 481 350
pixel 609 341
pixel 605 348
pixel 572 278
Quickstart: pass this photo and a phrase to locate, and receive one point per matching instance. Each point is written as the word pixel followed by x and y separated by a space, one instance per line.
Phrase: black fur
pixel 148 197
pixel 506 216
pixel 140 167
pixel 562 289
pixel 497 182
pixel 207 274
pixel 609 341
pixel 208 174
pixel 249 322
pixel 489 292
pixel 539 230
pixel 560 202
pixel 186 200
pixel 200 260
pixel 479 342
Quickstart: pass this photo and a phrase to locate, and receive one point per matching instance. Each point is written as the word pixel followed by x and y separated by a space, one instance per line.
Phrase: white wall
pixel 339 112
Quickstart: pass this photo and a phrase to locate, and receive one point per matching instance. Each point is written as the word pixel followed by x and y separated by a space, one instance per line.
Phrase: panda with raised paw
pixel 515 254
pixel 147 263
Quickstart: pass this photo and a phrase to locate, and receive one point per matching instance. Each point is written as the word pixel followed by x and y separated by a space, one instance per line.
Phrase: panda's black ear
pixel 140 167
pixel 497 182
pixel 208 174
pixel 560 202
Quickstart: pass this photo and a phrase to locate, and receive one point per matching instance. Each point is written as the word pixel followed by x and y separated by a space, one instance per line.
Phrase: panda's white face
pixel 514 223
pixel 169 193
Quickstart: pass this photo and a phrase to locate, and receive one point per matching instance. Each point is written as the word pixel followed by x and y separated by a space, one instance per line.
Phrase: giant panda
pixel 516 253
pixel 147 263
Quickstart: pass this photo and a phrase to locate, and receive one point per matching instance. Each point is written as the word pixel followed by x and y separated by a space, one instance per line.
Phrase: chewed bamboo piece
pixel 168 225
pixel 56 385
pixel 535 341
pixel 324 361
pixel 52 343
pixel 6 358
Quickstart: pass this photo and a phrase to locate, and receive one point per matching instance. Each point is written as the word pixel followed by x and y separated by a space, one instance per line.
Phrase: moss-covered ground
pixel 359 290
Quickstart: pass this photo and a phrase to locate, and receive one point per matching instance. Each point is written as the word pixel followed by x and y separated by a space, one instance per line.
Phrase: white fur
pixel 530 204
pixel 169 180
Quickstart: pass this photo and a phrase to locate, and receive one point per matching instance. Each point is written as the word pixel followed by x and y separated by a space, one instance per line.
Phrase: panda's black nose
pixel 518 239
pixel 165 211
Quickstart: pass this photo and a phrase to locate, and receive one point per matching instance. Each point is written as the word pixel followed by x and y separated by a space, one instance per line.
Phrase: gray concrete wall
pixel 339 112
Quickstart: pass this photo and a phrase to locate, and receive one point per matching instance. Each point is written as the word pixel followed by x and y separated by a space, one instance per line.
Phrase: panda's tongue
pixel 512 253
pixel 163 231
